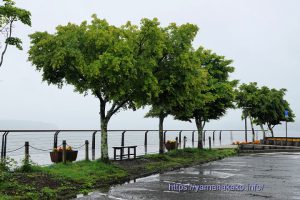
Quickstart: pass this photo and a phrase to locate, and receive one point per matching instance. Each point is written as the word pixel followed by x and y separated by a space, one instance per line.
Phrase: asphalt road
pixel 260 176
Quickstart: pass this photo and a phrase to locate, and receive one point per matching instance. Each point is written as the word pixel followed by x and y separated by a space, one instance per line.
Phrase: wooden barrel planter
pixel 170 146
pixel 57 156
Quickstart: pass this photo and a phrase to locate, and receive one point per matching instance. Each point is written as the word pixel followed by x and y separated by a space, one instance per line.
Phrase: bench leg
pixel 115 154
pixel 134 152
pixel 122 152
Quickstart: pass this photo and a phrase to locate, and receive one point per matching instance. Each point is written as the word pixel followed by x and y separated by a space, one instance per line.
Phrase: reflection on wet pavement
pixel 278 173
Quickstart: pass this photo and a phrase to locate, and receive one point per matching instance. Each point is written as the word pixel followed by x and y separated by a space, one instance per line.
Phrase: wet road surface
pixel 273 176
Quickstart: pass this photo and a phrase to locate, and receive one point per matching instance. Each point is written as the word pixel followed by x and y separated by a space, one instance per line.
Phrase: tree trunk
pixel 104 122
pixel 253 133
pixel 199 124
pixel 271 129
pixel 263 130
pixel 161 134
pixel 104 146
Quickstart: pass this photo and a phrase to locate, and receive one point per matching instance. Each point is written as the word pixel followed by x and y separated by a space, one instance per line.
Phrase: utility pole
pixel 286 115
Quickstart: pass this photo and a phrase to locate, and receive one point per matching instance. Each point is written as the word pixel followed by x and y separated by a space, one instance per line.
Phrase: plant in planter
pixel 171 145
pixel 57 154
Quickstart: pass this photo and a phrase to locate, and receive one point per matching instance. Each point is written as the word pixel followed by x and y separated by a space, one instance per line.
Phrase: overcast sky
pixel 262 37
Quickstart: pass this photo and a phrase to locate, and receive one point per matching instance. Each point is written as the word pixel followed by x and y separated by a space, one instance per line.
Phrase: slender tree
pixel 218 95
pixel 9 15
pixel 178 75
pixel 115 64
pixel 248 99
pixel 264 106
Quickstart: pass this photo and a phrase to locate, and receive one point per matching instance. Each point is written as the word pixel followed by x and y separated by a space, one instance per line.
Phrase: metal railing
pixel 56 133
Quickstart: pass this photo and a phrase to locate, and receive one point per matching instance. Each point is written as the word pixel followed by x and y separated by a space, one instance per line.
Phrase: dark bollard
pixel 94 145
pixel 146 141
pixel 146 138
pixel 220 136
pixel 86 150
pixel 209 140
pixel 176 142
pixel 123 138
pixel 214 135
pixel 64 153
pixel 180 138
pixel 26 161
pixel 184 141
pixel 193 134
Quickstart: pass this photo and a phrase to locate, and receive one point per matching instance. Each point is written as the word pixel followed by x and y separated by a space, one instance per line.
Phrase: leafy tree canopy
pixel 114 63
pixel 179 77
pixel 266 106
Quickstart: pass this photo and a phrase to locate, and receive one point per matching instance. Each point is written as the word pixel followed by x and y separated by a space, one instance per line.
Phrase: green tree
pixel 219 92
pixel 248 98
pixel 115 64
pixel 272 109
pixel 264 106
pixel 9 14
pixel 178 75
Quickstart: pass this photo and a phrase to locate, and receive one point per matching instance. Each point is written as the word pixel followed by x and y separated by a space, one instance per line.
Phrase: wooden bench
pixel 121 152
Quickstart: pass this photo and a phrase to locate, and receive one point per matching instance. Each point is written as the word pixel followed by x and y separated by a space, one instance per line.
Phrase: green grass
pixel 186 157
pixel 85 171
pixel 64 181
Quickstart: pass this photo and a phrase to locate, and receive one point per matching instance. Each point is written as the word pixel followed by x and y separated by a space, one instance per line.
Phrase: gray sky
pixel 262 37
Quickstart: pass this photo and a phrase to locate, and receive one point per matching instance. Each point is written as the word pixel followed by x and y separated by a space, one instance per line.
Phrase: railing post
pixel 2 146
pixel 214 135
pixel 55 139
pixel 94 145
pixel 26 161
pixel 184 141
pixel 209 140
pixel 123 138
pixel 64 153
pixel 146 138
pixel 4 142
pixel 220 136
pixel 246 137
pixel 180 138
pixel 176 142
pixel 165 137
pixel 193 138
pixel 86 150
pixel 203 136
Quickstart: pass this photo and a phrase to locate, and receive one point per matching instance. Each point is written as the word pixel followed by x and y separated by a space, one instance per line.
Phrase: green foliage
pixel 115 64
pixel 214 96
pixel 264 105
pixel 48 193
pixel 219 94
pixel 27 165
pixel 178 75
pixel 7 164
pixel 9 14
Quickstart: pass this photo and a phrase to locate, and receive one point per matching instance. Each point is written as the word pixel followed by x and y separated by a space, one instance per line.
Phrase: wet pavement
pixel 260 176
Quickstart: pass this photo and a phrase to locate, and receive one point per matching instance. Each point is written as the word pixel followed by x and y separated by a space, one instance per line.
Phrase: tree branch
pixel 6 44
pixel 115 107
